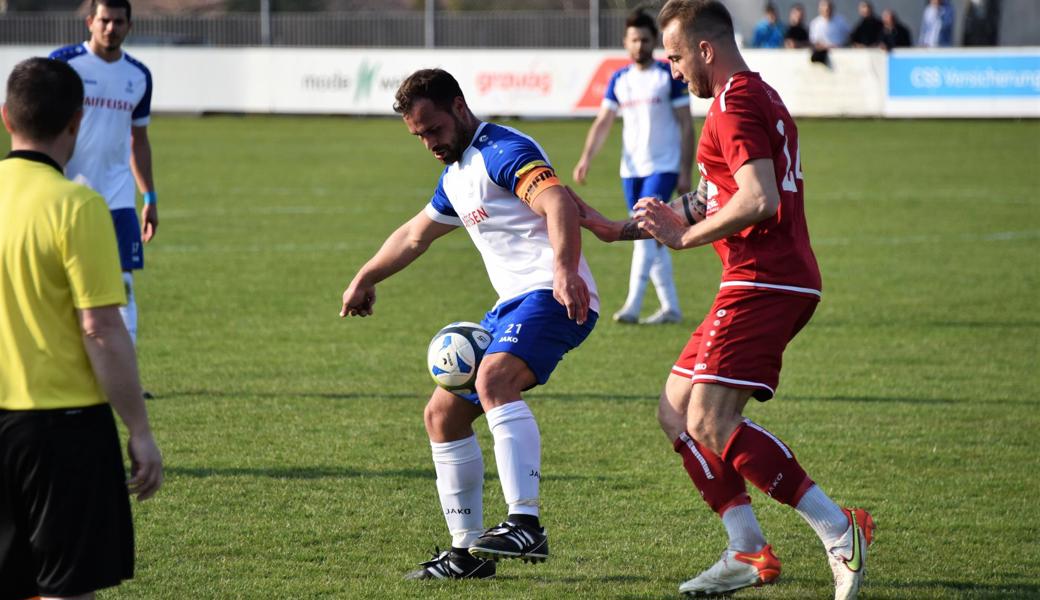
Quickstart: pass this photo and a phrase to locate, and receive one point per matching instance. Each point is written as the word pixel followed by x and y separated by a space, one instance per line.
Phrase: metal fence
pixel 513 29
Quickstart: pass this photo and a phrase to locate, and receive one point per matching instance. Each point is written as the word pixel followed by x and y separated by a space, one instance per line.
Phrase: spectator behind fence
pixel 769 33
pixel 796 36
pixel 893 33
pixel 936 25
pixel 867 33
pixel 981 23
pixel 828 29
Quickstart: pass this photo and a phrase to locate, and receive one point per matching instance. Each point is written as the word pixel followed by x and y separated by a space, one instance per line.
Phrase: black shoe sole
pixel 497 555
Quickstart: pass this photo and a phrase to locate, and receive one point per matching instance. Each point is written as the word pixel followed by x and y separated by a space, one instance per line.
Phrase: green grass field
pixel 296 460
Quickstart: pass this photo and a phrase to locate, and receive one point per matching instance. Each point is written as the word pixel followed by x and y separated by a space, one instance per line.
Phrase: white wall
pixel 540 83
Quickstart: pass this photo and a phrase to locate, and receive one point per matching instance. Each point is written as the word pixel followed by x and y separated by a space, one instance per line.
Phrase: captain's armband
pixel 533 179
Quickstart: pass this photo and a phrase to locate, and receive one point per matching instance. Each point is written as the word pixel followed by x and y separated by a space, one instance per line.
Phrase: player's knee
pixel 437 418
pixel 498 382
pixel 671 421
pixel 707 431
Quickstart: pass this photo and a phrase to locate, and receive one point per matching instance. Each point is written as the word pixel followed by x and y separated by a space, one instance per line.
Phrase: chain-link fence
pixel 513 29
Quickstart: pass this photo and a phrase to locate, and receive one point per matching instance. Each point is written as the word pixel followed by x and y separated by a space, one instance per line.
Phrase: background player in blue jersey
pixel 656 156
pixel 112 150
pixel 499 185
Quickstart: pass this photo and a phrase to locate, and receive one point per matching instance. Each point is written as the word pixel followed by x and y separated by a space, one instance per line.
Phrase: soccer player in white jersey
pixel 500 186
pixel 112 150
pixel 656 156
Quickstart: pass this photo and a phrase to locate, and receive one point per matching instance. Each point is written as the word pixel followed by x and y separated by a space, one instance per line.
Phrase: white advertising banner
pixel 525 83
pixel 569 83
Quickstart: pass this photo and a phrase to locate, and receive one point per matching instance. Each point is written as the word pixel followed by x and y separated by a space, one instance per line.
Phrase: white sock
pixel 744 533
pixel 823 515
pixel 129 312
pixel 664 282
pixel 644 252
pixel 518 453
pixel 460 484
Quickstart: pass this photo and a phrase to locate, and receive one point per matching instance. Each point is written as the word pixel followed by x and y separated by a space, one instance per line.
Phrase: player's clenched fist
pixel 358 300
pixel 660 221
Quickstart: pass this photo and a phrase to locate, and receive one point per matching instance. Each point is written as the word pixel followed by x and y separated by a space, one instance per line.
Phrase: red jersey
pixel 748 120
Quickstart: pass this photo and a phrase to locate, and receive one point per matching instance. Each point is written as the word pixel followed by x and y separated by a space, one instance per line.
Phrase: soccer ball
pixel 454 355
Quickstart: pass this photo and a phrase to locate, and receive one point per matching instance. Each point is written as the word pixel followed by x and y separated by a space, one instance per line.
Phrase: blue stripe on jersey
pixel 440 200
pixel 610 94
pixel 68 52
pixel 144 107
pixel 679 89
pixel 505 152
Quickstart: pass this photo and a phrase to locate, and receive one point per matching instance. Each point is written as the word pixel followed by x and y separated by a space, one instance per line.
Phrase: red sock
pixel 719 484
pixel 765 461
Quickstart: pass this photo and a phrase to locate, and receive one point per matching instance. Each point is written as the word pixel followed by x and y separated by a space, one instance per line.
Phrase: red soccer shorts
pixel 741 341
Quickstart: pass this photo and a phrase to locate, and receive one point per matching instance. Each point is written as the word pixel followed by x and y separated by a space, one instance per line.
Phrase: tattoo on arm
pixel 631 231
pixel 691 206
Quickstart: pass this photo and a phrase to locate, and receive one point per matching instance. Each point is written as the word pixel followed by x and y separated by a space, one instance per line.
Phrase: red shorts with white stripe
pixel 741 341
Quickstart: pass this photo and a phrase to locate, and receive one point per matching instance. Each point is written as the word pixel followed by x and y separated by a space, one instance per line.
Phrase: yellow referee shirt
pixel 57 253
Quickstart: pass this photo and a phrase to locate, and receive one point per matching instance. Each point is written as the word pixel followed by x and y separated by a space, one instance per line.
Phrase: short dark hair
pixel 700 19
pixel 436 85
pixel 641 20
pixel 110 4
pixel 42 97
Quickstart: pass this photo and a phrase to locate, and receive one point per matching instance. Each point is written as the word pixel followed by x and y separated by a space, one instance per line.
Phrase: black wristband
pixel 686 207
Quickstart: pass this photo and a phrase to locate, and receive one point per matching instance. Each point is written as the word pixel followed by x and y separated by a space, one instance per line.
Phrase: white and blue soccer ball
pixel 454 355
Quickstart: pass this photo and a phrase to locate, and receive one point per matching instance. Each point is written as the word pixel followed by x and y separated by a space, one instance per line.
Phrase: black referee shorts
pixel 65 526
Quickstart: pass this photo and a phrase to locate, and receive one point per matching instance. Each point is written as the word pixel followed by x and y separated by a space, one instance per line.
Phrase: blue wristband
pixel 150 198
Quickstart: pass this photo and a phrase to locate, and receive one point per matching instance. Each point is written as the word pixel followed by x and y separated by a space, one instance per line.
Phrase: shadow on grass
pixel 336 473
pixel 961 589
pixel 650 399
pixel 947 589
pixel 286 395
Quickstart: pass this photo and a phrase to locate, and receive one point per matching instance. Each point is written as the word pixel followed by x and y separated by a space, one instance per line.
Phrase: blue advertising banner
pixel 964 76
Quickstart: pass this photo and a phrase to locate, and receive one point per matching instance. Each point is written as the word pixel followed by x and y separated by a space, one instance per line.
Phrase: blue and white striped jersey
pixel 645 99
pixel 477 192
pixel 116 96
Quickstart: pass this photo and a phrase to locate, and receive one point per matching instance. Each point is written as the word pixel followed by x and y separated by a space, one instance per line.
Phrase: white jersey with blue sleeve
pixel 478 192
pixel 116 95
pixel 646 99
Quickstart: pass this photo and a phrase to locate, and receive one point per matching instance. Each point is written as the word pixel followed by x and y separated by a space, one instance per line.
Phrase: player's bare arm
pixel 689 207
pixel 114 361
pixel 561 215
pixel 399 250
pixel 141 165
pixel 686 147
pixel 756 199
pixel 594 141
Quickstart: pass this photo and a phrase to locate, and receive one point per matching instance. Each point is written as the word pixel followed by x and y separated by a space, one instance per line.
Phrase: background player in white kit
pixel 112 150
pixel 499 184
pixel 656 156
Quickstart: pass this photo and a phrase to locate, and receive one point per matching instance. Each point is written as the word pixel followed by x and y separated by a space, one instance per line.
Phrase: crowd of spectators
pixel 830 29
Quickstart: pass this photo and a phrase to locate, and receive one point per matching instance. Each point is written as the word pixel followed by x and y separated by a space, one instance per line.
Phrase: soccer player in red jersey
pixel 749 206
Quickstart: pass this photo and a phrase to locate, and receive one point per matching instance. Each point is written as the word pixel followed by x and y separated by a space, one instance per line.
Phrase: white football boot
pixel 734 571
pixel 848 558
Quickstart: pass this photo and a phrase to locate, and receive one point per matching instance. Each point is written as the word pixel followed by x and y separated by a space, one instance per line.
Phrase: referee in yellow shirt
pixel 65 356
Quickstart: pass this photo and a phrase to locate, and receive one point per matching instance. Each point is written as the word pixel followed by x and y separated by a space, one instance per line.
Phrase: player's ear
pixel 74 122
pixel 6 119
pixel 707 51
pixel 458 107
